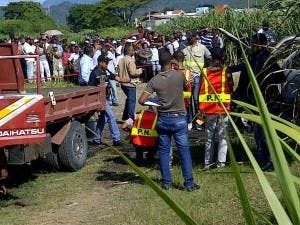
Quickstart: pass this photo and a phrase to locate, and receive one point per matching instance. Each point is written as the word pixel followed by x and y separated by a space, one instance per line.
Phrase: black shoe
pixel 268 167
pixel 193 188
pixel 94 143
pixel 117 143
pixel 115 104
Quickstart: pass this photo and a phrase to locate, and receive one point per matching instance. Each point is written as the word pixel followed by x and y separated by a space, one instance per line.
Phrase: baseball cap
pixel 73 43
pixel 131 40
pixel 102 58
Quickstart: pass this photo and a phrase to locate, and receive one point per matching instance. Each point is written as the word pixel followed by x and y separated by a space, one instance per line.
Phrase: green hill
pixel 60 11
pixel 191 5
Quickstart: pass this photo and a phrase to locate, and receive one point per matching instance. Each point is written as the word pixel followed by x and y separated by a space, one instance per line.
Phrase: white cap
pixel 35 40
pixel 73 43
pixel 131 40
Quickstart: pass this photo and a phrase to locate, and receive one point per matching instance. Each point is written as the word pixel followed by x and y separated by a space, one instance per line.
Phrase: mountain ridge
pixel 156 4
pixel 59 9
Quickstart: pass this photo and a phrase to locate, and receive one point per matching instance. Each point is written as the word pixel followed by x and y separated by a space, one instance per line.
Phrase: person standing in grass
pixel 129 78
pixel 216 120
pixel 99 75
pixel 178 58
pixel 195 53
pixel 171 122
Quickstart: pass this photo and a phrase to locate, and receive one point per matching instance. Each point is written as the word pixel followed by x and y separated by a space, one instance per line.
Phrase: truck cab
pixel 43 123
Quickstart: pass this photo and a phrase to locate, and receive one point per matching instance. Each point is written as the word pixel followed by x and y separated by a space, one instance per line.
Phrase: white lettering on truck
pixel 23 132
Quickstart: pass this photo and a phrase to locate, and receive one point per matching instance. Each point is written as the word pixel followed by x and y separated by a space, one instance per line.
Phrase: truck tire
pixel 72 152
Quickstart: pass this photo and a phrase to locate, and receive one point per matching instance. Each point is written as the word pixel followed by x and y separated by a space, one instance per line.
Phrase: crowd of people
pixel 186 70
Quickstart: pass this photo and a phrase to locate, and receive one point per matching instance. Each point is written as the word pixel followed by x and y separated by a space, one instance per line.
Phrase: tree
pixel 123 9
pixel 29 12
pixel 80 17
pixel 107 13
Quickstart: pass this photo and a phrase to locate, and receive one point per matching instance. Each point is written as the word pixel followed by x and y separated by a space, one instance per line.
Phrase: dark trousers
pixel 130 102
pixel 262 153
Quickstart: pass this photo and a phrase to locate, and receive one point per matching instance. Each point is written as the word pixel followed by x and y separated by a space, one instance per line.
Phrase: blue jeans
pixel 113 98
pixel 196 90
pixel 108 116
pixel 130 102
pixel 169 126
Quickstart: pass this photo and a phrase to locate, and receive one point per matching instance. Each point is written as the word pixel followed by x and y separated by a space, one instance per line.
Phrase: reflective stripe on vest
pixel 138 131
pixel 188 93
pixel 193 64
pixel 144 132
pixel 213 98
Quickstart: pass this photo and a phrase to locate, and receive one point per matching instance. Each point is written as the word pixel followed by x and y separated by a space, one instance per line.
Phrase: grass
pixel 52 84
pixel 106 191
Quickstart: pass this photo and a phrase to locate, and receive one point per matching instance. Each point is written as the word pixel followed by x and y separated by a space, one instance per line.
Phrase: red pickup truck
pixel 43 123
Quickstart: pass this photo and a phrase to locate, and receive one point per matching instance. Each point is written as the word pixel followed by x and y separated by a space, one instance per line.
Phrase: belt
pixel 170 114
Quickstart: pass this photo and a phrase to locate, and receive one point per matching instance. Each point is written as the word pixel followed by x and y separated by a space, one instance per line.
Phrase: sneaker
pixel 117 143
pixel 221 165
pixel 193 188
pixel 198 127
pixel 206 167
pixel 190 126
pixel 165 186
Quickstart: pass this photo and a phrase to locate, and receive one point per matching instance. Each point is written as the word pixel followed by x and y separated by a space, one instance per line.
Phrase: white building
pixel 202 10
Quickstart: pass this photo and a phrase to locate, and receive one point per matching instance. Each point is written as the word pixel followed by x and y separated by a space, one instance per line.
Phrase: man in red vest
pixel 144 135
pixel 215 89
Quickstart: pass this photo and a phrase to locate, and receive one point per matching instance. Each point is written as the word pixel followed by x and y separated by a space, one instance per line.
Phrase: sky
pixel 5 2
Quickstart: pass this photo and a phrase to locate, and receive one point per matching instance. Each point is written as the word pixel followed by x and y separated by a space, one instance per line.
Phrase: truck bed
pixel 72 101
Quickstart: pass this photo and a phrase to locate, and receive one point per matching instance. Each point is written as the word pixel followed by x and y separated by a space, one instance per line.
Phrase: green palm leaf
pixel 280 163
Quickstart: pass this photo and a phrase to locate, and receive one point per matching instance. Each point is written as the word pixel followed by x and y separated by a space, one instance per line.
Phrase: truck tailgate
pixel 73 101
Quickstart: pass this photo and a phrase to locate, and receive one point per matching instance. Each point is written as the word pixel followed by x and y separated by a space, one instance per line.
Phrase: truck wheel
pixel 73 151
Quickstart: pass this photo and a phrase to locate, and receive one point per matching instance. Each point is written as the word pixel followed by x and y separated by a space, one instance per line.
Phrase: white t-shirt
pixel 95 57
pixel 155 56
pixel 119 50
pixel 29 49
pixel 112 64
pixel 73 56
